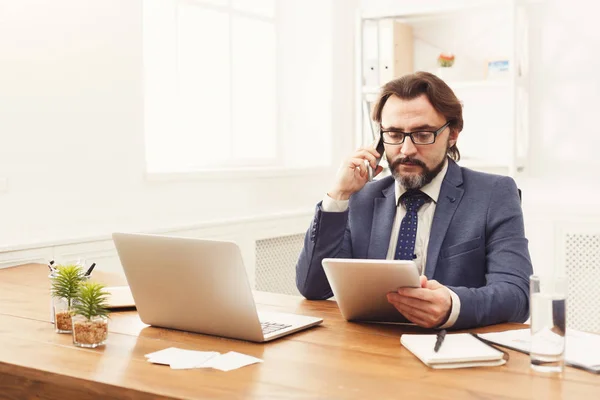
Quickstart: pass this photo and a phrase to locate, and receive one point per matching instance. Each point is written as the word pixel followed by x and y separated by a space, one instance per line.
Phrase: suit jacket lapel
pixel 450 195
pixel 384 212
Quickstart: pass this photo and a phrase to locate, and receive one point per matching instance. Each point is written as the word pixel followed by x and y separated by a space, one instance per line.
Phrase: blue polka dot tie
pixel 407 236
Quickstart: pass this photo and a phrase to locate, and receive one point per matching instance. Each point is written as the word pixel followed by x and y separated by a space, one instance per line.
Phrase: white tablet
pixel 360 286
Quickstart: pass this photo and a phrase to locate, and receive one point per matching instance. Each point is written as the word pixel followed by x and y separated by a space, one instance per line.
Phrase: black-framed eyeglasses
pixel 393 136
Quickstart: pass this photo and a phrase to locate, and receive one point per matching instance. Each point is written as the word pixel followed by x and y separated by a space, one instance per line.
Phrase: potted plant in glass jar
pixel 90 315
pixel 65 285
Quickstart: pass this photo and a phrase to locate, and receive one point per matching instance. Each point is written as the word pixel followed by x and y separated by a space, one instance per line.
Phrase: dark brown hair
pixel 439 94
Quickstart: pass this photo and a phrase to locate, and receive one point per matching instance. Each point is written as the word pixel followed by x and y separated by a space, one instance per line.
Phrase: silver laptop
pixel 199 286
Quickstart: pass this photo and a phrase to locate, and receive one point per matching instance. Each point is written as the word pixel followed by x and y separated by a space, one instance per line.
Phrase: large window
pixel 236 83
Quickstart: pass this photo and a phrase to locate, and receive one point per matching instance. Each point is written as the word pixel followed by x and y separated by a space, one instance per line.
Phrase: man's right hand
pixel 353 175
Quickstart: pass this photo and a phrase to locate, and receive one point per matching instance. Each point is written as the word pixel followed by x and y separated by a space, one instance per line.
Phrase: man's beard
pixel 415 181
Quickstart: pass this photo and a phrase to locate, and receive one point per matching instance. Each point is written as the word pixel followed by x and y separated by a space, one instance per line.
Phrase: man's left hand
pixel 428 306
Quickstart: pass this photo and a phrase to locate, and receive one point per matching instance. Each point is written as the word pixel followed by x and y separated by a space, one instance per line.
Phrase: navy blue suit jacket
pixel 477 246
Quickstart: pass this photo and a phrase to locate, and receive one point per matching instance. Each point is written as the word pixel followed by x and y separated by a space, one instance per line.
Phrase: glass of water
pixel 548 325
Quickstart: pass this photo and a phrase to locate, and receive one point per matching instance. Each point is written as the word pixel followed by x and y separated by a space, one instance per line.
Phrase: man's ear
pixel 453 137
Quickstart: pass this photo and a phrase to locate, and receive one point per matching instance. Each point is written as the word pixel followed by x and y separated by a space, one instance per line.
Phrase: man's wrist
pixel 447 316
pixel 454 310
pixel 339 195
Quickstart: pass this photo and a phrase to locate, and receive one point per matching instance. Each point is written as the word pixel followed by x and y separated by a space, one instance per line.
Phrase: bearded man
pixel 464 229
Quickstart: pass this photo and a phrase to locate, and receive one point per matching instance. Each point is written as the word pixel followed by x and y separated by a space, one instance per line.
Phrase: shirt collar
pixel 432 189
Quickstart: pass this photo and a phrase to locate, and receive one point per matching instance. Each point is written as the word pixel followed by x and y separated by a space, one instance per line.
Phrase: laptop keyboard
pixel 270 327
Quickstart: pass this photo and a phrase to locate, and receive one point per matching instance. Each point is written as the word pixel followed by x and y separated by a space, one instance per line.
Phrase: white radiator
pixel 276 258
pixel 581 254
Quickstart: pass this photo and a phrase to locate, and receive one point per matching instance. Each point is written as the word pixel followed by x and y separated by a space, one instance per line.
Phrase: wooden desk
pixel 338 360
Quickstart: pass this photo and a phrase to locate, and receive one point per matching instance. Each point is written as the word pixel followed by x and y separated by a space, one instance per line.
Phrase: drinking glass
pixel 548 325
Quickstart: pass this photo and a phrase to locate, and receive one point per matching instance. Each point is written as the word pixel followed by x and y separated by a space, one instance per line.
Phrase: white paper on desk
pixel 582 348
pixel 188 359
pixel 197 359
pixel 232 360
pixel 162 356
pixel 180 358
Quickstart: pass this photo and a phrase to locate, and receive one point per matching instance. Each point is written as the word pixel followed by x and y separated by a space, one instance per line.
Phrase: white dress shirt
pixel 425 218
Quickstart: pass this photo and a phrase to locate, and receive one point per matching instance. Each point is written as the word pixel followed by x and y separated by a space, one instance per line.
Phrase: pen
pixel 89 271
pixel 440 339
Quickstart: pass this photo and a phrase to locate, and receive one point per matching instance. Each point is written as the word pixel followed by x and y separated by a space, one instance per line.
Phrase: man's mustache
pixel 407 160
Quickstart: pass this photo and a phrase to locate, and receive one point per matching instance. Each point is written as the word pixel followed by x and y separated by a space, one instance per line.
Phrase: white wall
pixel 561 185
pixel 565 90
pixel 71 112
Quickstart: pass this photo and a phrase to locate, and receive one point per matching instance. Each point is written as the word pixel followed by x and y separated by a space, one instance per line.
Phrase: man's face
pixel 412 165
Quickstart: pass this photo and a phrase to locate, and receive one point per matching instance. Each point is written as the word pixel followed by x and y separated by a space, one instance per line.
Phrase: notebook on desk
pixel 119 297
pixel 459 350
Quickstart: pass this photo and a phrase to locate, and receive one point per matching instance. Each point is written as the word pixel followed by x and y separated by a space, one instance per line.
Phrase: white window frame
pixel 232 12
pixel 263 168
pixel 231 165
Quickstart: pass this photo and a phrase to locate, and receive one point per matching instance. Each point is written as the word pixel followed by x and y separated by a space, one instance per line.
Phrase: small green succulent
pixel 66 282
pixel 91 300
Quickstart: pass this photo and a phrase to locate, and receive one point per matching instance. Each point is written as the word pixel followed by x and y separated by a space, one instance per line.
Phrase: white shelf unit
pixel 495 134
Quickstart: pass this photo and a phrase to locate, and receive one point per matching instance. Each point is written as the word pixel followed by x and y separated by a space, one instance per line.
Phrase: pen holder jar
pixel 51 276
pixel 62 315
pixel 90 332
pixel 65 282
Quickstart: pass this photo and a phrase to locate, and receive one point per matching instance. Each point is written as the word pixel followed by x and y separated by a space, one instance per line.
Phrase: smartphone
pixel 380 149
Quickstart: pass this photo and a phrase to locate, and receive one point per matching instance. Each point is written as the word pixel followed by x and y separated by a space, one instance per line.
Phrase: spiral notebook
pixel 459 350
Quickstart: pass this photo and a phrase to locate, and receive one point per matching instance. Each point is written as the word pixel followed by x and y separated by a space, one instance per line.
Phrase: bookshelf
pixel 401 37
